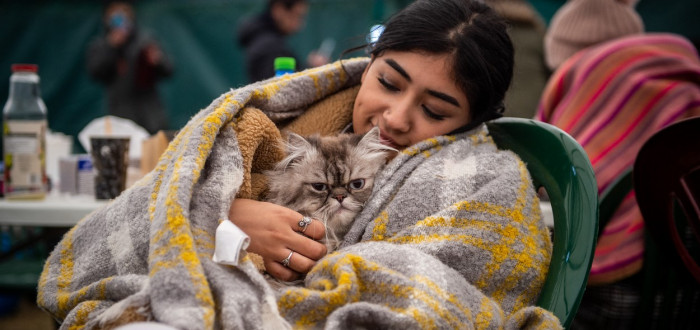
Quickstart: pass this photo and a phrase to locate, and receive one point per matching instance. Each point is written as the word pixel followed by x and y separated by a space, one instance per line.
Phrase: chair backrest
pixel 559 164
pixel 666 180
pixel 667 184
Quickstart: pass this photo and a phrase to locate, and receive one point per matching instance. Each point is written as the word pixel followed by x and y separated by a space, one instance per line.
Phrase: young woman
pixel 452 236
pixel 470 69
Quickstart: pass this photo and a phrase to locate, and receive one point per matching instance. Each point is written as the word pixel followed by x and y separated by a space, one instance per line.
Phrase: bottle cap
pixel 285 63
pixel 22 67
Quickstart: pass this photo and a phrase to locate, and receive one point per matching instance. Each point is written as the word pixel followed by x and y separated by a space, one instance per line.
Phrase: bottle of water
pixel 24 135
pixel 284 65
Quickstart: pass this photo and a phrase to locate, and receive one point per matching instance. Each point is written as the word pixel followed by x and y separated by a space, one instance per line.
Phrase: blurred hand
pixel 316 59
pixel 274 232
pixel 153 54
pixel 117 37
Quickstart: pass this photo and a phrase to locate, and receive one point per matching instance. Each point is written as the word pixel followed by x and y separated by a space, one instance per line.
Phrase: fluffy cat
pixel 328 178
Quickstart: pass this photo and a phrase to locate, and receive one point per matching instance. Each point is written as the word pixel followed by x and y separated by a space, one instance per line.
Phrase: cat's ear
pixel 371 141
pixel 297 148
pixel 296 142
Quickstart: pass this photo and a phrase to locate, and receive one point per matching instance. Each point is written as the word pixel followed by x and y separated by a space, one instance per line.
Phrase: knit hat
pixel 582 23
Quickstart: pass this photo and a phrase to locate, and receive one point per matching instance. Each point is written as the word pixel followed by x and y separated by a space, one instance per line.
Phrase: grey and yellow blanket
pixel 452 237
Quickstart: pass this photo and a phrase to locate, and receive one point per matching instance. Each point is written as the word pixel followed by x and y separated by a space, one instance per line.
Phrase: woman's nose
pixel 396 118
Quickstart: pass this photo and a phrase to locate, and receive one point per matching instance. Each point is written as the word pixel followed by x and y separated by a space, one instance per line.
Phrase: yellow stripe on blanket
pixel 65 274
pixel 81 316
pixel 524 256
pixel 177 229
pixel 379 231
pixel 354 275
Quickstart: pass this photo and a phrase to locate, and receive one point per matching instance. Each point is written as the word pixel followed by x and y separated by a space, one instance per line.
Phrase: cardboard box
pixel 152 148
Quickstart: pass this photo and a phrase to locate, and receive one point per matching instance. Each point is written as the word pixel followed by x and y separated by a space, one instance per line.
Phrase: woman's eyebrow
pixel 444 97
pixel 398 68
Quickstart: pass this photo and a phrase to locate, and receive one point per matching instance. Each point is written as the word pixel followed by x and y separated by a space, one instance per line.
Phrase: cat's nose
pixel 339 198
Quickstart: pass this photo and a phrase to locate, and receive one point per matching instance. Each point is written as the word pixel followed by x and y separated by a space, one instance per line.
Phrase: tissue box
pixel 86 176
pixel 153 148
pixel 76 175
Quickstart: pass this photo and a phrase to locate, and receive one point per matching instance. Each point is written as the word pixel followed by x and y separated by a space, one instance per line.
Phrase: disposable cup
pixel 110 159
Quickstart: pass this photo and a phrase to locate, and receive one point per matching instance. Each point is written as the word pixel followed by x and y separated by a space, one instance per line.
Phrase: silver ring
pixel 286 260
pixel 304 222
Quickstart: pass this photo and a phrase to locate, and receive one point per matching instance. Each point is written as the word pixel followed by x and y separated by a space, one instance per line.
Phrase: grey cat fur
pixel 342 167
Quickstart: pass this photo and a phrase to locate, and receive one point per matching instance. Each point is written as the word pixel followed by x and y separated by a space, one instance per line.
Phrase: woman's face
pixel 411 97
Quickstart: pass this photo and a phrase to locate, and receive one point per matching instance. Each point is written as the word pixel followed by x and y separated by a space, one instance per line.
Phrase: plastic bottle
pixel 284 65
pixel 24 135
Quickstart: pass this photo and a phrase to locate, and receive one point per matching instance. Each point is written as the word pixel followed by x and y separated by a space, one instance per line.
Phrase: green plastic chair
pixel 559 164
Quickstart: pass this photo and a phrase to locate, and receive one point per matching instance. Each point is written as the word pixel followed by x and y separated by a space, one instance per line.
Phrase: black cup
pixel 110 157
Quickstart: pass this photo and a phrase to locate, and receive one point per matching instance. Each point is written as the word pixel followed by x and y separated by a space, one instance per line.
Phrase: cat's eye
pixel 357 184
pixel 319 186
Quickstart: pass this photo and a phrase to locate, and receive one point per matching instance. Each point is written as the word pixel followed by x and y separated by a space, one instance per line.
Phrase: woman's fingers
pixel 290 267
pixel 280 272
pixel 275 231
pixel 307 247
pixel 296 261
pixel 310 227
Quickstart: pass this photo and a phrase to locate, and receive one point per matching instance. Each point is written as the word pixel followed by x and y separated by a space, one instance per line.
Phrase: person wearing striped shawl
pixel 452 236
pixel 611 98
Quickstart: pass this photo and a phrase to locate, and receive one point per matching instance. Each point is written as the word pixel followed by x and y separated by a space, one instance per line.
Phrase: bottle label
pixel 25 169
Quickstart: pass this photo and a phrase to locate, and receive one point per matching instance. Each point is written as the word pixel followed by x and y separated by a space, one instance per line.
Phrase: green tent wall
pixel 199 36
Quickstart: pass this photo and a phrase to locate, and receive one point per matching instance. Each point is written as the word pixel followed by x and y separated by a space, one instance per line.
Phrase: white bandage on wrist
pixel 230 244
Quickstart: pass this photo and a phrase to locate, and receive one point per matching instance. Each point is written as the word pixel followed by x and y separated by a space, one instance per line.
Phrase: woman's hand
pixel 275 232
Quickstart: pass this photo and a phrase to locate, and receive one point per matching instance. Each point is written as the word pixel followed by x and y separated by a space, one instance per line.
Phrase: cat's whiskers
pixel 331 240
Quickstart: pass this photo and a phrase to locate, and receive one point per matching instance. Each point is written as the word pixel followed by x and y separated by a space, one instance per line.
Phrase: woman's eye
pixel 432 114
pixel 387 85
pixel 319 186
pixel 357 184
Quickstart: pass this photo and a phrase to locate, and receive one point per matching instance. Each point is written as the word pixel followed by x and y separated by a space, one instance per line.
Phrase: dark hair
pixel 476 37
pixel 288 4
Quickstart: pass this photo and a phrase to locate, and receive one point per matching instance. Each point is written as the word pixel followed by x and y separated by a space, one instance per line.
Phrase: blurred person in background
pixel 526 29
pixel 129 63
pixel 613 87
pixel 264 38
pixel 583 23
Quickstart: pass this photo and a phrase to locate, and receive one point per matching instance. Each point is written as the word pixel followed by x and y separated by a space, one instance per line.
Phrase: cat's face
pixel 328 178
